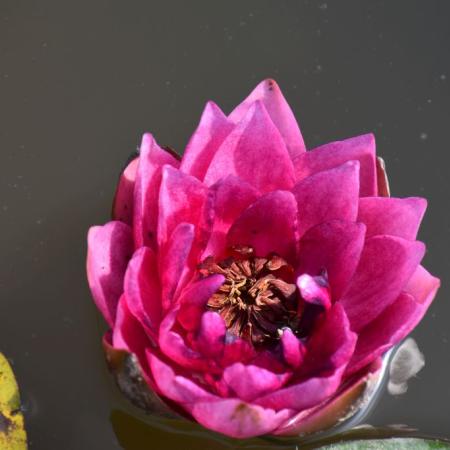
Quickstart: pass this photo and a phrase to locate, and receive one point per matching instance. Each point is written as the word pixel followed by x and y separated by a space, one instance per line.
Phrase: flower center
pixel 257 299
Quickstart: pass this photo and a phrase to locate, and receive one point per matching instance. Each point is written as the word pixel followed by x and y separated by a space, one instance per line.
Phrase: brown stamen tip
pixel 257 298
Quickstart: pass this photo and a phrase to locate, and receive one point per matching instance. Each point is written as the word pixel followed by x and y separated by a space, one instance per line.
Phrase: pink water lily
pixel 256 281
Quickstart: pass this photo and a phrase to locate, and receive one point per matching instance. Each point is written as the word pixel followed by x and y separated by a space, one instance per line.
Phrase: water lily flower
pixel 255 282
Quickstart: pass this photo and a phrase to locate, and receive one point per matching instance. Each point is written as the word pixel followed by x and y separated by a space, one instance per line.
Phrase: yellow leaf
pixel 12 428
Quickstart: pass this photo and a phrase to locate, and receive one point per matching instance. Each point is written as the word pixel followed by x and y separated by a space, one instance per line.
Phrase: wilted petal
pixel 281 114
pixel 143 290
pixel 231 197
pixel 123 199
pixel 109 249
pixel 394 216
pixel 268 225
pixel 361 148
pixel 255 152
pixel 213 128
pixel 396 321
pixel 386 264
pixel 334 247
pixel 331 194
pixel 146 191
pixel 182 198
pixel 194 298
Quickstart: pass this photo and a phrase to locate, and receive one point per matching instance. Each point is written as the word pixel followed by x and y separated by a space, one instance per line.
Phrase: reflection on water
pixel 407 361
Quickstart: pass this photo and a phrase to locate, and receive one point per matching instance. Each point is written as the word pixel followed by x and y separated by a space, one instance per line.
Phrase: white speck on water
pixel 429 100
pixel 323 6
pixel 319 68
pixel 407 361
pixel 39 221
pixel 423 136
pixel 5 207
pixel 443 77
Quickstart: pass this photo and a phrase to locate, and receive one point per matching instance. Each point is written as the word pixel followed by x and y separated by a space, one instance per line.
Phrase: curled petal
pixel 281 114
pixel 109 249
pixel 268 225
pixel 255 152
pixel 394 216
pixel 314 290
pixel 146 191
pixel 123 199
pixel 211 335
pixel 386 265
pixel 396 321
pixel 327 195
pixel 361 148
pixel 213 128
pixel 293 348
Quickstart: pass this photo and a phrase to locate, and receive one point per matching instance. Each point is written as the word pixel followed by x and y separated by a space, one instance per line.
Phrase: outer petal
pixel 386 264
pixel 143 290
pixel 123 199
pixel 109 249
pixel 255 152
pixel 213 128
pixel 182 198
pixel 248 382
pixel 268 225
pixel 232 417
pixel 395 216
pixel 327 195
pixel 281 114
pixel 361 148
pixel 231 197
pixel 396 321
pixel 146 191
pixel 333 246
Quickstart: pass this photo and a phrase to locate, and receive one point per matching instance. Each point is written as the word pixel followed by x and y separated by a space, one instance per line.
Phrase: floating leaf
pixel 390 444
pixel 12 429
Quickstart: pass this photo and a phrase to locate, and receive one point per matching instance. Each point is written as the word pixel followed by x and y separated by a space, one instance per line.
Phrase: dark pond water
pixel 80 82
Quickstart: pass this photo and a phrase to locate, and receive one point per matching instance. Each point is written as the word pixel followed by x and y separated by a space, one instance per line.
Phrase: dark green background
pixel 81 81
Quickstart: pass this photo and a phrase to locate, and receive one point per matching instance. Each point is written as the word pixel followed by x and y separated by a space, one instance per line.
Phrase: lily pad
pixel 389 444
pixel 12 428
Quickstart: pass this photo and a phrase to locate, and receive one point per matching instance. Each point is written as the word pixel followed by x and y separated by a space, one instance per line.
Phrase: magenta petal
pixel 281 114
pixel 231 197
pixel 394 216
pixel 143 290
pixel 396 321
pixel 331 345
pixel 314 290
pixel 173 264
pixel 181 199
pixel 238 419
pixel 255 152
pixel 335 247
pixel 174 347
pixel 248 382
pixel 386 264
pixel 361 148
pixel 304 394
pixel 146 191
pixel 211 335
pixel 331 194
pixel 268 225
pixel 194 298
pixel 213 128
pixel 123 199
pixel 293 348
pixel 109 249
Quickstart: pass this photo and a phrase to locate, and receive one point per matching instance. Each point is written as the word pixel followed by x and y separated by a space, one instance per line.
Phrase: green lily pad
pixel 12 428
pixel 389 444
